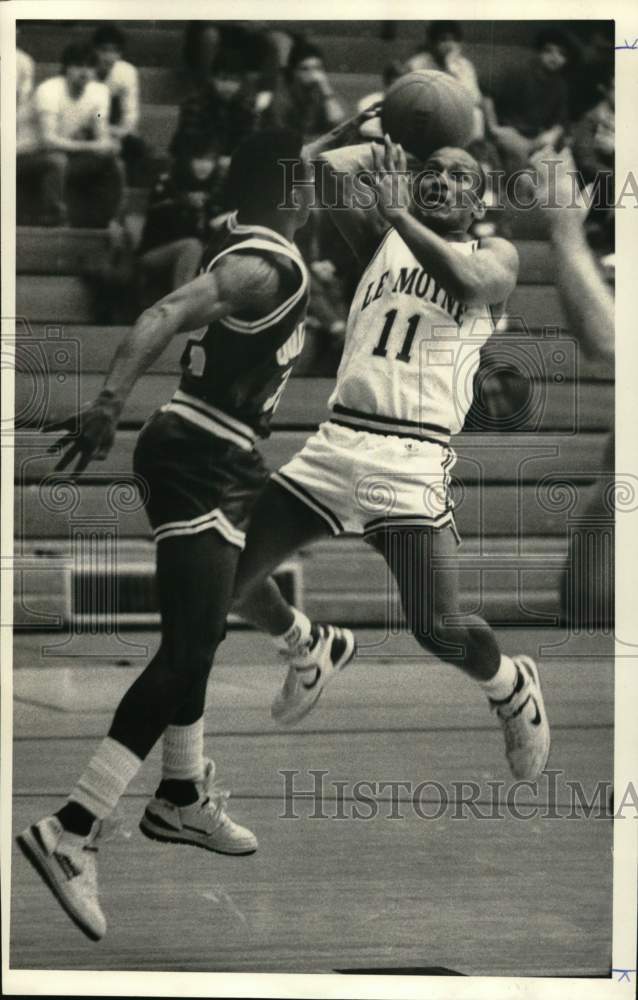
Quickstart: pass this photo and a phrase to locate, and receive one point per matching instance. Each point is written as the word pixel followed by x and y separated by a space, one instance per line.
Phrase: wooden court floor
pixel 476 895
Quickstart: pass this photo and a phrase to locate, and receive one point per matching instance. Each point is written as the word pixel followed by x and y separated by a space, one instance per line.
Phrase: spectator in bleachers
pixel 182 205
pixel 591 66
pixel 593 149
pixel 64 146
pixel 203 40
pixel 531 103
pixel 122 80
pixel 304 98
pixel 593 136
pixel 200 47
pixel 224 107
pixel 443 51
pixel 24 78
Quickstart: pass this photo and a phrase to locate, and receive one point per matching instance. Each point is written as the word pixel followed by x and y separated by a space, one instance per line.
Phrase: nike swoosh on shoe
pixel 314 682
pixel 536 721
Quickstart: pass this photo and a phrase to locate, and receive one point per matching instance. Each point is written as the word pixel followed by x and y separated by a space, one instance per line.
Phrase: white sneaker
pixel 311 668
pixel 67 863
pixel 524 722
pixel 205 823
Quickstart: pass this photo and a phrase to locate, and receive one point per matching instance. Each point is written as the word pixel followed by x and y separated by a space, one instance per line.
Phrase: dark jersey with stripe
pixel 239 365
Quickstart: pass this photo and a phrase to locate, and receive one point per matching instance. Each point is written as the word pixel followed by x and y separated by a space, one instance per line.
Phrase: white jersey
pixel 411 350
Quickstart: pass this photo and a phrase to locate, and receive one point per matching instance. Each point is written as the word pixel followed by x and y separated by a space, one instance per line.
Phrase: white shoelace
pixel 215 797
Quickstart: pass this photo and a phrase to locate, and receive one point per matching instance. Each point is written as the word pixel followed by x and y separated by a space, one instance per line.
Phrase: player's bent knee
pixel 449 643
pixel 192 656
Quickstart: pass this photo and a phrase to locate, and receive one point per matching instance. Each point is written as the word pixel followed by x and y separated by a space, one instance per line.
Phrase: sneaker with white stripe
pixel 312 668
pixel 205 823
pixel 524 722
pixel 67 864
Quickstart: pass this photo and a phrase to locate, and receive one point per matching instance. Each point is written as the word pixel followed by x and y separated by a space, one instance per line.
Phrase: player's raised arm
pixel 340 162
pixel 486 277
pixel 350 200
pixel 346 133
pixel 239 282
pixel 584 293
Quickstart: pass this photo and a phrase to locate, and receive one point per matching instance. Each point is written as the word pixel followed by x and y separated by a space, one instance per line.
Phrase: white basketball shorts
pixel 360 481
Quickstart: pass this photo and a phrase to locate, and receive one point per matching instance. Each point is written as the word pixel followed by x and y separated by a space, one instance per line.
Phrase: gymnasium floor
pixel 470 895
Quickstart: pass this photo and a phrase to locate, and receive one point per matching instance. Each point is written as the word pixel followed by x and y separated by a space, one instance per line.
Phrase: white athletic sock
pixel 183 752
pixel 297 635
pixel 106 778
pixel 502 684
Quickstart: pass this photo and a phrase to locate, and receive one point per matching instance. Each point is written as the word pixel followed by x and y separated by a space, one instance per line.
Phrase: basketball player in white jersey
pixel 427 301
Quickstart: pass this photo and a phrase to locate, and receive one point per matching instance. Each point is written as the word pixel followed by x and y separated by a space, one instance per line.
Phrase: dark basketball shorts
pixel 195 480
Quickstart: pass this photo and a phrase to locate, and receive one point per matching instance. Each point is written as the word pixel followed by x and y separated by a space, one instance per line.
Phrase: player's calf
pixel 512 686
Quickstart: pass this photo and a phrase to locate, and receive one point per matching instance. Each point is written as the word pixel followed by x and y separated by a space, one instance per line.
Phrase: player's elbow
pixel 478 289
pixel 162 316
pixel 469 291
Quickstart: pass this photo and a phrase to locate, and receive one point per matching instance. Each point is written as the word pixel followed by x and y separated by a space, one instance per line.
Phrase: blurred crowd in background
pixel 79 147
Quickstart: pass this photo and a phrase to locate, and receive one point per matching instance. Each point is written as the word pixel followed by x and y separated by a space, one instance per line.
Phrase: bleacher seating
pixel 516 538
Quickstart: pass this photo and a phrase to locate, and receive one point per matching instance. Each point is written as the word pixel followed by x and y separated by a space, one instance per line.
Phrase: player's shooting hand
pixel 350 131
pixel 90 433
pixel 392 180
pixel 368 121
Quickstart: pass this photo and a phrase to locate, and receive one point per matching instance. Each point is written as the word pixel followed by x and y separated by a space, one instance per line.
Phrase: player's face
pixel 446 195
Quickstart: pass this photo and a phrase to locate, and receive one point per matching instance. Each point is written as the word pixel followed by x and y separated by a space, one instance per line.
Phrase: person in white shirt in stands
pixel 64 145
pixel 24 78
pixel 122 80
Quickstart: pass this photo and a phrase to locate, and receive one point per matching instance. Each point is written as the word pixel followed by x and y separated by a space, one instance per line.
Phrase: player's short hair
pixel 553 36
pixel 77 54
pixel 258 181
pixel 109 34
pixel 441 29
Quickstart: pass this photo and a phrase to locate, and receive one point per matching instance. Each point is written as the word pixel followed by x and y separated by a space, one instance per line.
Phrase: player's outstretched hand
pixel 90 433
pixel 392 180
pixel 555 190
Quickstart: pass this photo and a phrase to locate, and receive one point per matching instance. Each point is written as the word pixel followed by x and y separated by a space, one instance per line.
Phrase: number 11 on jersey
pixel 381 350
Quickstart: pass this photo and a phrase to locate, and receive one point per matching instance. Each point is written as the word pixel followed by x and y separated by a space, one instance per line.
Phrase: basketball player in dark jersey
pixel 197 458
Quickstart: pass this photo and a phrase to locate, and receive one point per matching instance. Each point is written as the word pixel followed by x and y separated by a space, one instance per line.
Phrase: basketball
pixel 426 110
